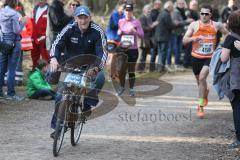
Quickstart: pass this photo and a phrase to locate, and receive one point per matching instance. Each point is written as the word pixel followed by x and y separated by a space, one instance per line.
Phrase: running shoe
pixel 120 91
pixel 14 98
pixel 132 92
pixel 200 112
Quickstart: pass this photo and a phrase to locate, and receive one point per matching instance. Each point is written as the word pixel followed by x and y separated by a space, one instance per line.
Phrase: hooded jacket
pixel 9 21
pixel 39 27
pixel 113 26
pixel 92 41
pixel 218 71
pixel 36 81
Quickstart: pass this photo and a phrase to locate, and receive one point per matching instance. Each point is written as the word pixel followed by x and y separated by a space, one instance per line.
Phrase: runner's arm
pixel 222 29
pixel 188 35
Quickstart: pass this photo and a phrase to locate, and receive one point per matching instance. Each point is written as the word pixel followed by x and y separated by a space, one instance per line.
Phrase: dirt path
pixel 156 128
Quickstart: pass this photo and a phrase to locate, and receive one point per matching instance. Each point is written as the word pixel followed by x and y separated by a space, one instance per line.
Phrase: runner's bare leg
pixel 203 88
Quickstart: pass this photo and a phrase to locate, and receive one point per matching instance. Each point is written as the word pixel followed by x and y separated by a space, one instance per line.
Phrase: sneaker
pixel 120 91
pixel 160 68
pixel 52 135
pixel 205 103
pixel 169 68
pixel 132 92
pixel 14 98
pixel 179 68
pixel 200 112
pixel 234 145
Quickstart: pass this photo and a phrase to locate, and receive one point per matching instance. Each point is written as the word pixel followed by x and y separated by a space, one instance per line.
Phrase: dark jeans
pixel 8 63
pixel 43 93
pixel 154 52
pixel 235 103
pixel 162 53
pixel 96 87
pixel 175 46
pixel 19 70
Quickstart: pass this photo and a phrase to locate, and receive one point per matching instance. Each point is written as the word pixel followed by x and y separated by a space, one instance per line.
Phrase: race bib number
pixel 76 79
pixel 127 38
pixel 205 48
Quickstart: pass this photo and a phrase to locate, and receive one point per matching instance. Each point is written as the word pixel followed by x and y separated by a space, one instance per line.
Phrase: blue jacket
pixel 92 41
pixel 217 70
pixel 112 27
pixel 9 21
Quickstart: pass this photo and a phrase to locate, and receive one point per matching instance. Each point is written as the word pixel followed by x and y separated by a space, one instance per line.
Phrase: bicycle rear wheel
pixel 58 138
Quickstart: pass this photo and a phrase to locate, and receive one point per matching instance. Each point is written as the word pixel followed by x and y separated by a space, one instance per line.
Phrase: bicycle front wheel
pixel 58 138
pixel 76 131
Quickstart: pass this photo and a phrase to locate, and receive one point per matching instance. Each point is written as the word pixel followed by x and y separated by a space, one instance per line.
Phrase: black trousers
pixel 236 112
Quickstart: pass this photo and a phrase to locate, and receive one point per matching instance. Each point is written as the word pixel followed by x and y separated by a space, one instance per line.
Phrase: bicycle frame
pixel 73 93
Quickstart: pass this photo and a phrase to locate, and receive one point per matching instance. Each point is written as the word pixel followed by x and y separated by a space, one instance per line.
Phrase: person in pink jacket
pixel 129 29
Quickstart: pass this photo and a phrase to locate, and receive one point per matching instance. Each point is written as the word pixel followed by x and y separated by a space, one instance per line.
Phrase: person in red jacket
pixel 39 32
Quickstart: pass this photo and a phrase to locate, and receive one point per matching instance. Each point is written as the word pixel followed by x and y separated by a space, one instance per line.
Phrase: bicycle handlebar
pixel 114 46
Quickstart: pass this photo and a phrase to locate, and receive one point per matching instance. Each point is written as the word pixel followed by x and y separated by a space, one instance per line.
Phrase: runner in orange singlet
pixel 204 48
pixel 202 34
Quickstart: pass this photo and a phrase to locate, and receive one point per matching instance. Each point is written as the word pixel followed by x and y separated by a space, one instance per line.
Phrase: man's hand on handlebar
pixel 92 72
pixel 53 64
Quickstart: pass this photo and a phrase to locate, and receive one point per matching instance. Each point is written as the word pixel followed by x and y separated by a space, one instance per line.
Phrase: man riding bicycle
pixel 83 37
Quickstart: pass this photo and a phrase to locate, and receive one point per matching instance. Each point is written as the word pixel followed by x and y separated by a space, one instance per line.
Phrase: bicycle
pixel 75 85
pixel 119 60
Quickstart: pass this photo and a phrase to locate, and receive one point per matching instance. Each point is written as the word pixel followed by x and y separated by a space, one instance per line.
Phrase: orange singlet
pixel 204 48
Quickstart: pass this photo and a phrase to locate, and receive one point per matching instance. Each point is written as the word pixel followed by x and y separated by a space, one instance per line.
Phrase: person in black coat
pixel 146 43
pixel 163 33
pixel 154 15
pixel 57 19
pixel 231 50
pixel 228 10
